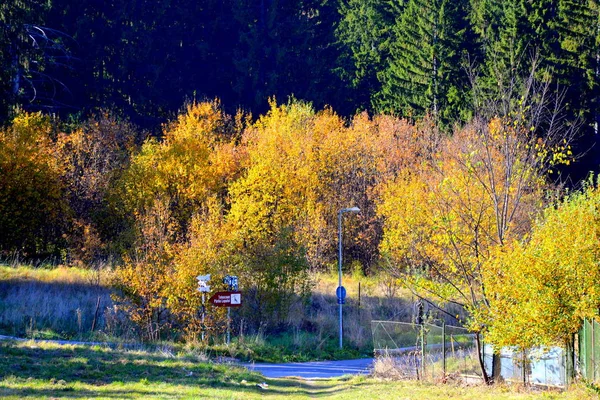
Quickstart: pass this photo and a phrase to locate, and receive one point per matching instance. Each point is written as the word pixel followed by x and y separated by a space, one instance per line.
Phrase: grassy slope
pixel 30 370
pixel 60 302
pixel 52 302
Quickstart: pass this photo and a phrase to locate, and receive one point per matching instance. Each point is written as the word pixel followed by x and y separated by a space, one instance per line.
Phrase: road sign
pixel 341 294
pixel 231 281
pixel 226 299
pixel 204 288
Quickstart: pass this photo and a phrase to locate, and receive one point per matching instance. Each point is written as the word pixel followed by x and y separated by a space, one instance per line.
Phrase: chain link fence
pixel 426 352
pixel 433 353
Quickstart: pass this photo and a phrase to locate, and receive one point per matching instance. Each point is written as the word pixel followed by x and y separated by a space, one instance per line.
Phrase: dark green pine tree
pixel 22 52
pixel 505 38
pixel 283 50
pixel 576 69
pixel 425 71
pixel 363 37
pixel 561 37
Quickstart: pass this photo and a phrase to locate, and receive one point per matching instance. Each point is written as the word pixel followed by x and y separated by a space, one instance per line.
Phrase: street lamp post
pixel 341 292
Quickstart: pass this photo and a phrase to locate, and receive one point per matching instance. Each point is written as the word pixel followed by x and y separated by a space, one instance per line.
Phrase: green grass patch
pixel 32 370
pixel 288 347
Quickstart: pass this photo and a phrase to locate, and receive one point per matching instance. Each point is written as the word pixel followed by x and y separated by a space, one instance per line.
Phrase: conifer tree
pixel 424 73
pixel 363 34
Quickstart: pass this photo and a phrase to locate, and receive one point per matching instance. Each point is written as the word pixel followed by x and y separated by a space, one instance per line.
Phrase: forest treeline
pixel 408 58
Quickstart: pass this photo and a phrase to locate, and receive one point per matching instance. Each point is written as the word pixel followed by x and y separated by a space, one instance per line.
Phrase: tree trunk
pixel 496 368
pixel 570 360
pixel 484 373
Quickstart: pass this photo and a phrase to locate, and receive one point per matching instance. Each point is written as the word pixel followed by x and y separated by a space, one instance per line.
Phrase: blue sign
pixel 231 282
pixel 341 294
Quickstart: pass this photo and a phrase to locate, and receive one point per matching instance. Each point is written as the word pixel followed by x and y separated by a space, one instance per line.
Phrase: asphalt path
pixel 313 369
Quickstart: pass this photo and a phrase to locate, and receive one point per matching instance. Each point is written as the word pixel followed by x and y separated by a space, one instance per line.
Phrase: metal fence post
pixel 523 363
pixel 593 360
pixel 444 349
pixel 228 325
pixel 423 351
pixel 584 352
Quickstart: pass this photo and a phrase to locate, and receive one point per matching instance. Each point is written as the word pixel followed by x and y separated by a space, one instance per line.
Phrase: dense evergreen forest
pixel 405 57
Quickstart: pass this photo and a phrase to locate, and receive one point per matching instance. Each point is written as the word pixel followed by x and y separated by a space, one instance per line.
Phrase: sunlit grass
pixel 33 370
pixel 60 303
pixel 55 274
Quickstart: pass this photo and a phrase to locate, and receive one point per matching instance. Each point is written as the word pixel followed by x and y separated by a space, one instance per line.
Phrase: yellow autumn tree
pixel 196 159
pixel 315 164
pixel 477 190
pixel 543 287
pixel 266 204
pixel 33 210
pixel 206 252
pixel 174 183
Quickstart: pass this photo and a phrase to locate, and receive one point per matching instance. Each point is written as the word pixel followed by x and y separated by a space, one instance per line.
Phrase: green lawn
pixel 33 370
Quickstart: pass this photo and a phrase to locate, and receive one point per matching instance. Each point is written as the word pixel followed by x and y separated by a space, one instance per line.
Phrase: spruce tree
pixel 504 35
pixel 363 37
pixel 424 73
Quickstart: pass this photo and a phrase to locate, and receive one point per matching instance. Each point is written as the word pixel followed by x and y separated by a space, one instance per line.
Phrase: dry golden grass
pixel 60 302
pixel 59 274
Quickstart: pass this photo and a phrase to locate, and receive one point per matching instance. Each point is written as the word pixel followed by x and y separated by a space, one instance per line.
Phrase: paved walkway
pixel 314 369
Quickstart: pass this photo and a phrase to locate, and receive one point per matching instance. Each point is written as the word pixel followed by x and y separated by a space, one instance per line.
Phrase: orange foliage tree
pixel 476 190
pixel 143 282
pixel 33 209
pixel 94 154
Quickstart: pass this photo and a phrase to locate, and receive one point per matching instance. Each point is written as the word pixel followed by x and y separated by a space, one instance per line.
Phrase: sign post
pixel 203 288
pixel 341 292
pixel 231 298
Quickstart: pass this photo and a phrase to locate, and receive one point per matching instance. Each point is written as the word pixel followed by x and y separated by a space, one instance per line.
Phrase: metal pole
pixel 228 325
pixel 444 348
pixel 523 372
pixel 423 351
pixel 341 296
pixel 340 268
pixel 203 312
pixel 594 366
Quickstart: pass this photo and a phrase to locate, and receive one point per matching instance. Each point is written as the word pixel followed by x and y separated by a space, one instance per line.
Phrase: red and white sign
pixel 226 299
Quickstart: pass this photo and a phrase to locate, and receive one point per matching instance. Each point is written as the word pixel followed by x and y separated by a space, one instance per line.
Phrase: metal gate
pixel 589 351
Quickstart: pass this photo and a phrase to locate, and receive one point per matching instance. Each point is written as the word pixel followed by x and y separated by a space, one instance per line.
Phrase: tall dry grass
pixel 66 302
pixel 59 302
pixel 320 314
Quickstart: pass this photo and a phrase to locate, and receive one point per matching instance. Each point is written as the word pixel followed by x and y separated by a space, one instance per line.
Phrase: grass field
pixel 31 370
pixel 60 302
